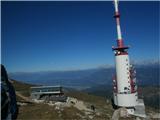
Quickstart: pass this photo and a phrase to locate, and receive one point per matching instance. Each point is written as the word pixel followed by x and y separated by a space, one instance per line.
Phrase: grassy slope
pixel 150 94
pixel 23 88
pixel 39 111
pixel 44 111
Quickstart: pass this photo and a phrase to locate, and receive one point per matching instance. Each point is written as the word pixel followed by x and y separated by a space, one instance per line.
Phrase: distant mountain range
pixel 147 74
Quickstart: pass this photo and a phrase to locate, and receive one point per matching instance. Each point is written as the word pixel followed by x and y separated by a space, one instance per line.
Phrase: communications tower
pixel 124 82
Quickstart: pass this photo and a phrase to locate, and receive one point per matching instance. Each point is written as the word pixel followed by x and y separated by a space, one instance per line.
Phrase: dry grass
pixel 37 112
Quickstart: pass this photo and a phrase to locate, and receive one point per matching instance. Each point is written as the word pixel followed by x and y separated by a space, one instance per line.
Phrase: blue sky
pixel 40 36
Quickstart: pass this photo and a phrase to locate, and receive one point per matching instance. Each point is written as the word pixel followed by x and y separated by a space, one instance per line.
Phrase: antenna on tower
pixel 125 93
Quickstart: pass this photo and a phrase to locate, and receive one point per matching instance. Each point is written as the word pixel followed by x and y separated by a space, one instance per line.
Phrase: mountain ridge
pixel 146 75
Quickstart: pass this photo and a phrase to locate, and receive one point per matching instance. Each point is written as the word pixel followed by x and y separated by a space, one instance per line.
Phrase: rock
pixel 21 103
pixel 137 118
pixel 156 116
pixel 121 112
pixel 90 116
pixel 98 114
pixel 38 101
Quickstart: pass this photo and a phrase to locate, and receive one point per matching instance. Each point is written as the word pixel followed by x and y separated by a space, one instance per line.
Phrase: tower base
pixel 138 111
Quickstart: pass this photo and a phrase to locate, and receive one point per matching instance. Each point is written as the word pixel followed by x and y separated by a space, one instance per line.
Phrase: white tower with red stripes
pixel 124 82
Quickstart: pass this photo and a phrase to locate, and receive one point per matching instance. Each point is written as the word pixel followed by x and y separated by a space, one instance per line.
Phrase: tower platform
pixel 139 109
